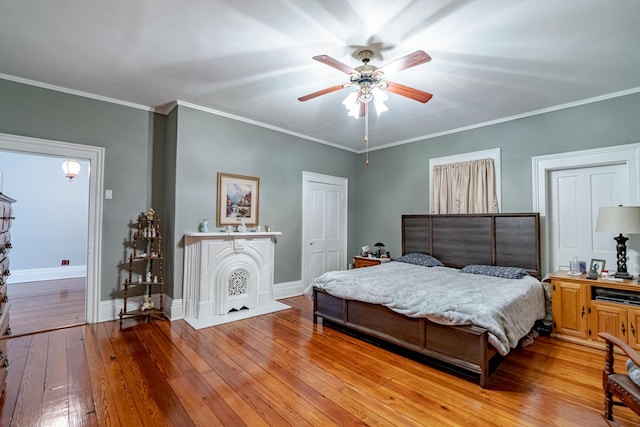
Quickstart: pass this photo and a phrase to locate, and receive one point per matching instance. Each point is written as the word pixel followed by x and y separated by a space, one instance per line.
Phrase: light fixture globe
pixel 71 169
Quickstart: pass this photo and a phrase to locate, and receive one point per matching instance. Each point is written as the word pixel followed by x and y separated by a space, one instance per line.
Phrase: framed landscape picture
pixel 238 197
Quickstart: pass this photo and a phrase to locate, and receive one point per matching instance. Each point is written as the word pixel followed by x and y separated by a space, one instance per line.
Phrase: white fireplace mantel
pixel 228 276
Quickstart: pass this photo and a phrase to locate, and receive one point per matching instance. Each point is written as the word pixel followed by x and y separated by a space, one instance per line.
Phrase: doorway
pixel 94 156
pixel 546 167
pixel 47 285
pixel 576 196
pixel 324 225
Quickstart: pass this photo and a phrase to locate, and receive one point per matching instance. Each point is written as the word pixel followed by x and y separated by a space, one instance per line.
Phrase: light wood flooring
pixel 280 369
pixel 46 305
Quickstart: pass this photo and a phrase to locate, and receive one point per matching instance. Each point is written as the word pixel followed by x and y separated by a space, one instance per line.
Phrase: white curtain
pixel 465 187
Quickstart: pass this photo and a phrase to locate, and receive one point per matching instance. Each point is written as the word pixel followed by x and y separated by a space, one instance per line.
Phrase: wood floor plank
pixel 46 305
pixel 82 410
pixel 258 398
pixel 160 390
pixel 18 350
pixel 106 411
pixel 55 405
pixel 256 387
pixel 325 392
pixel 188 352
pixel 243 409
pixel 29 404
pixel 203 403
pixel 273 364
pixel 367 371
pixel 141 393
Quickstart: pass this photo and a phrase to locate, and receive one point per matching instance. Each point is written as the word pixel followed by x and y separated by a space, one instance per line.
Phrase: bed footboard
pixel 462 347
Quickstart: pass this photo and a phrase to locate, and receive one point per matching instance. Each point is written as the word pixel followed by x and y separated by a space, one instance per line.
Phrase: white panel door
pixel 576 196
pixel 325 227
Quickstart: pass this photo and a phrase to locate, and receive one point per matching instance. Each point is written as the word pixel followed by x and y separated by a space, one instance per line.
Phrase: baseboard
pixel 110 309
pixel 52 273
pixel 287 289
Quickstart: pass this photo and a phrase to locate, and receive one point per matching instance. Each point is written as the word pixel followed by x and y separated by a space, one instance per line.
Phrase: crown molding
pixel 510 118
pixel 74 92
pixel 165 109
pixel 263 125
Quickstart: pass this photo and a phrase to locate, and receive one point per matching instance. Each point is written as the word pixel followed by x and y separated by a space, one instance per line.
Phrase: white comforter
pixel 507 308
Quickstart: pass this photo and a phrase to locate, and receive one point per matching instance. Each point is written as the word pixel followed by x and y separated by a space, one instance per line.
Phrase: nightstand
pixel 360 261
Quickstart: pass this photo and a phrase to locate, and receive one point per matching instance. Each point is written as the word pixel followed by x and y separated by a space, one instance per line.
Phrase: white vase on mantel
pixel 242 227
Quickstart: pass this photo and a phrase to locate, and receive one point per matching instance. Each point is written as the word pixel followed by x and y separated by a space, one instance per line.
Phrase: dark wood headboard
pixel 511 240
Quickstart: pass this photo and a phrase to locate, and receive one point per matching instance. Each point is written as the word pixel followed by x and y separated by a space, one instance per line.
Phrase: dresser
pixel 582 308
pixel 6 218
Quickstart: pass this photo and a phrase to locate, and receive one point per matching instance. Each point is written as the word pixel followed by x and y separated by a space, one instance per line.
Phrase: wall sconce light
pixel 619 219
pixel 71 169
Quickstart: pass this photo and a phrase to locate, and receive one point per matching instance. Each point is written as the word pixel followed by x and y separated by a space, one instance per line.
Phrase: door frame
pixel 542 166
pixel 308 177
pixel 95 156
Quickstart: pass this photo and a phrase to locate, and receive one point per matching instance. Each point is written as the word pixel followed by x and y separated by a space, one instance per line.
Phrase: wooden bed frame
pixel 456 240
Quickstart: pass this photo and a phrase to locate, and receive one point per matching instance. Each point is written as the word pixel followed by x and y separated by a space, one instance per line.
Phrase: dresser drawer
pixel 5 243
pixel 3 379
pixel 3 297
pixel 4 320
pixel 3 352
pixel 6 218
pixel 3 348
pixel 4 268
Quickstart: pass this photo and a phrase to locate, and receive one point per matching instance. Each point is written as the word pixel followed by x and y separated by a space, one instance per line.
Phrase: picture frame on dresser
pixel 596 266
pixel 237 200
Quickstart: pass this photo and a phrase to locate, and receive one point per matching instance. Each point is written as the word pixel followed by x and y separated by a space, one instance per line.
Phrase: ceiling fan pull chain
pixel 366 133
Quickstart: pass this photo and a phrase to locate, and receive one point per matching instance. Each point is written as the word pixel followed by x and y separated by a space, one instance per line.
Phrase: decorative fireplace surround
pixel 228 276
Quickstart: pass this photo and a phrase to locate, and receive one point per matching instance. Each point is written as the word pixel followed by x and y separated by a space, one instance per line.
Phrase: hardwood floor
pixel 281 369
pixel 46 305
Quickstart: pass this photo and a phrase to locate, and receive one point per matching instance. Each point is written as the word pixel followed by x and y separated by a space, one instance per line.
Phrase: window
pixel 466 183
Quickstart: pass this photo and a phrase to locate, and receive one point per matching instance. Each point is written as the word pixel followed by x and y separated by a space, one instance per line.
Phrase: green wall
pixel 397 179
pixel 208 144
pixel 127 135
pixel 171 163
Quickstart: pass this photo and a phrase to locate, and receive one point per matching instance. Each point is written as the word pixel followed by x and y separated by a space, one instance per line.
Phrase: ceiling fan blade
pixel 409 92
pixel 325 59
pixel 321 92
pixel 416 58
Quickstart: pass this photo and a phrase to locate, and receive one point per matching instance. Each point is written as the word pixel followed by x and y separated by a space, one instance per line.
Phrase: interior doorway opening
pixel 94 158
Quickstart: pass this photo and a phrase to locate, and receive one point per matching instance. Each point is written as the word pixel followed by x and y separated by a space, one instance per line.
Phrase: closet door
pixel 576 195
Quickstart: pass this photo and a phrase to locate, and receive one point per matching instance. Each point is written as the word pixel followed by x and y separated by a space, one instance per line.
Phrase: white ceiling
pixel 491 59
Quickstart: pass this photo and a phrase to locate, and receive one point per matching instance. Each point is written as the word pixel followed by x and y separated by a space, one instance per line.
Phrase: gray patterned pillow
pixel 420 259
pixel 496 271
pixel 633 371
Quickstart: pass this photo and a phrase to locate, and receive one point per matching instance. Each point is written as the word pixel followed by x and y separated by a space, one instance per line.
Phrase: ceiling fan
pixel 370 81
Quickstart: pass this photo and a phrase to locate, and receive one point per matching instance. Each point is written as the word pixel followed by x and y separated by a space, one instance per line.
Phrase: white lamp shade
pixel 71 168
pixel 619 219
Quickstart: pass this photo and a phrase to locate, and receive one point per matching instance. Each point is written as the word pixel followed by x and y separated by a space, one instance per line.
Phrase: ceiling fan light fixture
pixel 379 98
pixel 352 104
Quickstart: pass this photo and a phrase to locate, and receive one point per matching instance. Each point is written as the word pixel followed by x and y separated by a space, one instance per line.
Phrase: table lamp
pixel 380 247
pixel 619 219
